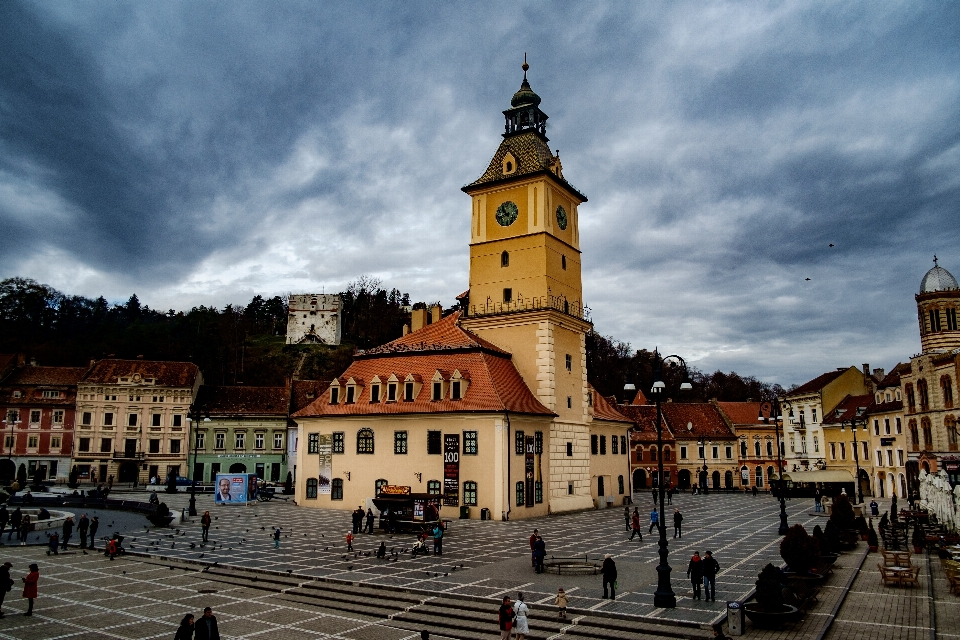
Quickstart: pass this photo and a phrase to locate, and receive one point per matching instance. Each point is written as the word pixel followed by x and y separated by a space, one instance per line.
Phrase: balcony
pixel 133 455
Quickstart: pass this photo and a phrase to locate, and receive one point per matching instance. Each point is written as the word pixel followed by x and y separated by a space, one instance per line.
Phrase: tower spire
pixel 525 66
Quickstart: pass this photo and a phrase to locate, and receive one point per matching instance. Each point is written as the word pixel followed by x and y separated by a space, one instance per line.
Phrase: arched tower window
pixel 911 398
pixel 924 395
pixel 505 259
pixel 914 435
pixel 946 386
pixel 927 433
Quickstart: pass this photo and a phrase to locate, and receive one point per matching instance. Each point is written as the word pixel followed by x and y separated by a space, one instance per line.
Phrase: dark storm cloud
pixel 202 153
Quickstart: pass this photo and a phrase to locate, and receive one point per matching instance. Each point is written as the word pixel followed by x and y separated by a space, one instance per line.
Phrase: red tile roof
pixel 304 392
pixel 640 398
pixel 851 406
pixel 166 374
pixel 817 383
pixel 892 379
pixel 7 362
pixel 741 413
pixel 444 335
pixel 244 401
pixel 703 416
pixel 44 376
pixel 603 410
pixel 645 421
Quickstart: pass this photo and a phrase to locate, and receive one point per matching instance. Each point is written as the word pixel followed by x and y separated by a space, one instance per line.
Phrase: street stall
pixel 403 511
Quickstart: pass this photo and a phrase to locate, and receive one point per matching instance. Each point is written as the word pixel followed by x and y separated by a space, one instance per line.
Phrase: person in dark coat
pixel 695 573
pixel 30 587
pixel 24 530
pixel 82 527
pixel 710 569
pixel 205 526
pixel 6 583
pixel 67 532
pixel 185 631
pixel 54 544
pixel 206 627
pixel 15 518
pixel 94 525
pixel 626 519
pixel 382 550
pixel 677 523
pixel 369 528
pixel 655 496
pixel 4 518
pixel 609 572
pixel 358 520
pixel 539 553
pixel 505 617
pixel 635 523
pixel 754 491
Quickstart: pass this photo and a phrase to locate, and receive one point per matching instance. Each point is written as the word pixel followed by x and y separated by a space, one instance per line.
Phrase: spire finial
pixel 525 66
pixel 935 260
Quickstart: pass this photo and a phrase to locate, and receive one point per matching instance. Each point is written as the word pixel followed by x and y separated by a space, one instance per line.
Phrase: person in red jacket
pixel 30 587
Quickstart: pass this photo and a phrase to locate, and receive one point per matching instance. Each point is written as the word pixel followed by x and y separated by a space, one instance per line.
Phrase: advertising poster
pixel 451 469
pixel 326 464
pixel 234 488
pixel 529 470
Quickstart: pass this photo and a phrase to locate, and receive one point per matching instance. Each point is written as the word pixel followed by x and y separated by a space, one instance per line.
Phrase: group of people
pixel 203 629
pixel 30 582
pixel 19 524
pixel 632 522
pixel 358 521
pixel 538 551
pixel 703 571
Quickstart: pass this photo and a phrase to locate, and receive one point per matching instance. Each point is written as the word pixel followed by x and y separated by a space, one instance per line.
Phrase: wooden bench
pixel 572 565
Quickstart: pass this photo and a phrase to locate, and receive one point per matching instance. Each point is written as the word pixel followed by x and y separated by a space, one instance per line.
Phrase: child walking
pixel 349 541
pixel 276 538
pixel 561 602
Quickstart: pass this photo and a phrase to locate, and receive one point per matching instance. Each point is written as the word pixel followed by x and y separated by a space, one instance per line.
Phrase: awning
pixel 832 475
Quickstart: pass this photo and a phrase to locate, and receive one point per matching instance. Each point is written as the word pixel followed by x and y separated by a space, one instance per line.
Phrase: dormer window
pixel 509 164
pixel 437 391
pixel 455 390
pixel 408 394
pixel 392 392
pixel 375 394
pixel 351 390
pixel 334 395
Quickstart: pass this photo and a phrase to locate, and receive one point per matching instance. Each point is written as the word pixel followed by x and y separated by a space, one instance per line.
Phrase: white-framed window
pixel 55 442
pixel 278 440
pixel 35 416
pixel 258 439
pixel 219 440
pixel 239 440
pixel 201 439
pixel 58 417
pixel 51 394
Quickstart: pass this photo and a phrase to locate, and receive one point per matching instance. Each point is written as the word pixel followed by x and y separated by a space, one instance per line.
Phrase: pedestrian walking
pixel 533 540
pixel 539 553
pixel 505 618
pixel 817 501
pixel 276 538
pixel 695 573
pixel 635 523
pixel 710 569
pixel 205 526
pixel 4 518
pixel 53 544
pixel 67 532
pixel 754 491
pixel 6 583
pixel 24 530
pixel 15 519
pixel 206 627
pixel 82 527
pixel 349 539
pixel 110 549
pixel 438 539
pixel 654 520
pixel 185 630
pixel 670 495
pixel 521 627
pixel 94 525
pixel 30 582
pixel 677 523
pixel 561 602
pixel 655 495
pixel 370 521
pixel 874 510
pixel 626 519
pixel 609 572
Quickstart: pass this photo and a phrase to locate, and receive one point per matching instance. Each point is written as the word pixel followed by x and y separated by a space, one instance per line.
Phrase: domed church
pixel 930 380
pixel 488 408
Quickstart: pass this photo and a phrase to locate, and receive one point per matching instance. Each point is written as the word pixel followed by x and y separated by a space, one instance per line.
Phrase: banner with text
pixel 325 449
pixel 451 469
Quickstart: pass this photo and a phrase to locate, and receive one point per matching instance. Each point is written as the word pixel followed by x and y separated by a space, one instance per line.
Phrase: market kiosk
pixel 403 511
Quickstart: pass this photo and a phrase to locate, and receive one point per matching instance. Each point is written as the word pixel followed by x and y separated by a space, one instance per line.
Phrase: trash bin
pixel 735 618
pixel 464 513
pixel 484 514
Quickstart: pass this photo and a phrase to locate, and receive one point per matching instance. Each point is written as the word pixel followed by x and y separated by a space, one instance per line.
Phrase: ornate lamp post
pixel 702 443
pixel 664 597
pixel 13 422
pixel 859 417
pixel 784 526
pixel 195 414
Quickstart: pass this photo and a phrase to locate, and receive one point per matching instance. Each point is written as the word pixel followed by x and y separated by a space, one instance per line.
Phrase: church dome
pixel 525 95
pixel 938 279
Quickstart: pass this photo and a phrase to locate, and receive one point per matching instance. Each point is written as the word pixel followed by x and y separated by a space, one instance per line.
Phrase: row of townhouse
pixel 141 420
pixel 883 428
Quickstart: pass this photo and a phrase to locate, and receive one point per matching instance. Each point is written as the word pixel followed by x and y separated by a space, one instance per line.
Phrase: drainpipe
pixel 506 514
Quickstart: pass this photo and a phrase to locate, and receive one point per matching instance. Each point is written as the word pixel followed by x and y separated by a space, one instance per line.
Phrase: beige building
pixel 889 440
pixel 755 430
pixel 490 406
pixel 132 418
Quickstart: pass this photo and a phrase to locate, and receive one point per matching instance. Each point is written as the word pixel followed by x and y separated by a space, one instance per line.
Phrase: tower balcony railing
pixel 571 308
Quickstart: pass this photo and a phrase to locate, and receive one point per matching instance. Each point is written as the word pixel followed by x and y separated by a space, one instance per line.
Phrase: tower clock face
pixel 507 213
pixel 562 218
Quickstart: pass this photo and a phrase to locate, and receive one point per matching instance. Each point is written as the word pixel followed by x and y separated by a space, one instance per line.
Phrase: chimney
pixel 436 312
pixel 418 319
pixel 878 373
pixel 406 329
pixel 866 369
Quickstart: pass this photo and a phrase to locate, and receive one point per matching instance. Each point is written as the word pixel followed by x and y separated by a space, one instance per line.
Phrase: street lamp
pixel 13 422
pixel 784 526
pixel 193 415
pixel 856 455
pixel 664 597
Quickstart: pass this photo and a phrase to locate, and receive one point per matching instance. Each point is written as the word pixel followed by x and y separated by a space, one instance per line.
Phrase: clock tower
pixel 525 285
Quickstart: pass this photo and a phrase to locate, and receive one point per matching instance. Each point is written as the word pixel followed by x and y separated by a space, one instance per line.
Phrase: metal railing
pixel 556 303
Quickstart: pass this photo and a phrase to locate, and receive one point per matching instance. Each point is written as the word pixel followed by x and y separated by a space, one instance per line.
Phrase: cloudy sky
pixel 203 152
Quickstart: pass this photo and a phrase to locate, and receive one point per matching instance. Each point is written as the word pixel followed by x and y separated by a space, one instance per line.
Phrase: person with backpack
pixel 710 569
pixel 609 572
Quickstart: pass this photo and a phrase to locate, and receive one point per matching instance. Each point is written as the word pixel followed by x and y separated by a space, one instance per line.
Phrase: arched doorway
pixel 716 480
pixel 864 482
pixel 127 472
pixel 683 479
pixel 238 467
pixel 728 479
pixel 8 470
pixel 639 479
pixel 881 481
